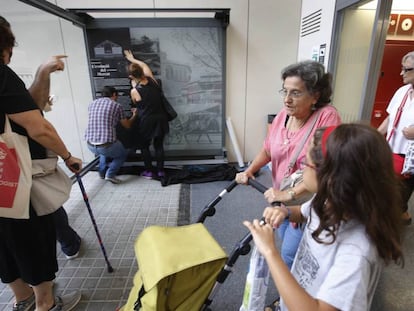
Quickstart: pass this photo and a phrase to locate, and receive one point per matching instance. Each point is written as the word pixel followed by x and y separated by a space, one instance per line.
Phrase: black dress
pixel 152 121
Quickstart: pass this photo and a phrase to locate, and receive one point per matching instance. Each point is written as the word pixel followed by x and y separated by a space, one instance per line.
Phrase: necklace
pixel 291 129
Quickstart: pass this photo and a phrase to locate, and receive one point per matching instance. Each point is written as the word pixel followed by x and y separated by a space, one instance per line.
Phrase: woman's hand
pixel 129 56
pixel 243 177
pixel 274 195
pixel 74 164
pixel 275 215
pixel 408 132
pixel 263 236
pixel 55 63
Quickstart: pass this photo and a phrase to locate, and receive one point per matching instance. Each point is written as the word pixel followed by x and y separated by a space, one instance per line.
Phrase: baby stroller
pixel 182 268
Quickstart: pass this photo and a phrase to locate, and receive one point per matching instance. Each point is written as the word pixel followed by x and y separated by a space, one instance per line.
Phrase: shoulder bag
pixel 51 186
pixel 295 178
pixel 15 174
pixel 166 106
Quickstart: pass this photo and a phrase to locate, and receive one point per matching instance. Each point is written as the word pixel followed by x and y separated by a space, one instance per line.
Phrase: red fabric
pixel 9 175
pixel 398 165
pixel 325 136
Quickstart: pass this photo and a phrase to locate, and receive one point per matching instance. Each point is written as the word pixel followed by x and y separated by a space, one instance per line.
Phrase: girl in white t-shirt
pixel 352 223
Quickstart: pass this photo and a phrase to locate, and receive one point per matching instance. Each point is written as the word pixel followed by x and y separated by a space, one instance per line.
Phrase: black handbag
pixel 166 106
pixel 168 109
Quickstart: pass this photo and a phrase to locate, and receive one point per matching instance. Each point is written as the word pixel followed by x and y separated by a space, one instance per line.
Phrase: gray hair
pixel 409 55
pixel 315 78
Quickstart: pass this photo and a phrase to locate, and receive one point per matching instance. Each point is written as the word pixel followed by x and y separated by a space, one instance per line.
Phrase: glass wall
pixel 39 36
pixel 187 55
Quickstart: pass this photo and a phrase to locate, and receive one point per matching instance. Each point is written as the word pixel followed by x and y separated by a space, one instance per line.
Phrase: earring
pixel 313 108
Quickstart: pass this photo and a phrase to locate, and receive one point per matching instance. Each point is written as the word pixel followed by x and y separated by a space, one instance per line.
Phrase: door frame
pixel 376 50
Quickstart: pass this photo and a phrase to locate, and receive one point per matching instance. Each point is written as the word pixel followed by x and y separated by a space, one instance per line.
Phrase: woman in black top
pixel 28 246
pixel 152 124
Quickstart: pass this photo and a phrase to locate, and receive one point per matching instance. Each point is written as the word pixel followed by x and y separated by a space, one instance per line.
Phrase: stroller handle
pixel 258 186
pixel 261 188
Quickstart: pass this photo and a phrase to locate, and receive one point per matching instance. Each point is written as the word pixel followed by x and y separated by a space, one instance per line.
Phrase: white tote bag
pixel 408 168
pixel 50 185
pixel 15 174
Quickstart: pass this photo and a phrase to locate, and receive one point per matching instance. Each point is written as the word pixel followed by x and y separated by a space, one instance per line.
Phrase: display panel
pixel 187 55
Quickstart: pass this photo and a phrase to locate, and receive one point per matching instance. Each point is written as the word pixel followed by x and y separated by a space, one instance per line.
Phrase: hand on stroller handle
pixel 258 186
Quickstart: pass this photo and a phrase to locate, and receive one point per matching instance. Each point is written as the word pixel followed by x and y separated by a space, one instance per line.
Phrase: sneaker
pixel 67 302
pixel 161 174
pixel 147 174
pixel 73 252
pixel 113 180
pixel 72 256
pixel 102 173
pixel 25 305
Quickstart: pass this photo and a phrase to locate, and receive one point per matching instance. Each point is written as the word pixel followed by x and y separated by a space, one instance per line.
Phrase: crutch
pixel 85 198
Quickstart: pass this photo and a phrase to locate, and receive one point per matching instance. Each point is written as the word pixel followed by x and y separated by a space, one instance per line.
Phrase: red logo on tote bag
pixel 9 175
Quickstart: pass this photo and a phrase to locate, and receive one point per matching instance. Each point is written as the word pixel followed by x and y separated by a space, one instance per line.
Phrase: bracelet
pixel 67 158
pixel 292 194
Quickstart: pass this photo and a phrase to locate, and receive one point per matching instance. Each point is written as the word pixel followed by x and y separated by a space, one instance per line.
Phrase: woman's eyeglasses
pixel 293 94
pixel 304 163
pixel 405 70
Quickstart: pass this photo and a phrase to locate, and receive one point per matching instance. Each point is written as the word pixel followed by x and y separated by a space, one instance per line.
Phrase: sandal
pixel 274 306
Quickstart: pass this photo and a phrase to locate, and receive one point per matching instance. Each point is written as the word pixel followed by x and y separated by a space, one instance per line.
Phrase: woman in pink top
pixel 306 92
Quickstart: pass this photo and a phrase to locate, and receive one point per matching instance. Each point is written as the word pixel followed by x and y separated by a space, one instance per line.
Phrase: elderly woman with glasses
pixel 398 126
pixel 306 92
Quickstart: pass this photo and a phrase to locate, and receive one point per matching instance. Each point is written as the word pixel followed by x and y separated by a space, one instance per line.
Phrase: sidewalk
pixel 121 213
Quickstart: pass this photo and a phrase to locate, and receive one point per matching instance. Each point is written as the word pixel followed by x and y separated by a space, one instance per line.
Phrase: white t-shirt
pixel 343 274
pixel 398 142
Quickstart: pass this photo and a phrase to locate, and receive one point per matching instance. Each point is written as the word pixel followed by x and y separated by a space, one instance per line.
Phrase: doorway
pixel 390 78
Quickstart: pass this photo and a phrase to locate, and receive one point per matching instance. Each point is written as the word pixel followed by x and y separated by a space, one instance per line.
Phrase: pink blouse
pixel 281 145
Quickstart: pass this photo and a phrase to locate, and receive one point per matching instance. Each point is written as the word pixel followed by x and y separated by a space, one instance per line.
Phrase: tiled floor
pixel 121 213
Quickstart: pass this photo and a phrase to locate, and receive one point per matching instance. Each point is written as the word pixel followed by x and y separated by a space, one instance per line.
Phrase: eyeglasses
pixel 304 163
pixel 293 94
pixel 405 70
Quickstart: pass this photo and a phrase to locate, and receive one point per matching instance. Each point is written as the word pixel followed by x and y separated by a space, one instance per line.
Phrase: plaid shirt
pixel 104 115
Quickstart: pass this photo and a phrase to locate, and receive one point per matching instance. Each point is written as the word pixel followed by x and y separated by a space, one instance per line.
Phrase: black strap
pixel 138 304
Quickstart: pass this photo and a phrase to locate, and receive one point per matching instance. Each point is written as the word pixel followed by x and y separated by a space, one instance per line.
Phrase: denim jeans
pixel 290 237
pixel 68 238
pixel 116 152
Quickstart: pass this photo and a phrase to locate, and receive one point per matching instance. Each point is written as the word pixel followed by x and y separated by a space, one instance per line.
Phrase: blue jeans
pixel 116 152
pixel 68 238
pixel 290 238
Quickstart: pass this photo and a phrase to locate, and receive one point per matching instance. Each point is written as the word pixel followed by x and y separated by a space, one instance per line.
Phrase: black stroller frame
pixel 242 248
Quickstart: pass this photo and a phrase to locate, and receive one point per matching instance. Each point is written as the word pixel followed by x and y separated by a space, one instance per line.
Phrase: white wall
pixel 262 38
pixel 308 44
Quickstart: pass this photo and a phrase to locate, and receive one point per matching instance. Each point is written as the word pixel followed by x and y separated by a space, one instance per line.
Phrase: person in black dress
pixel 152 124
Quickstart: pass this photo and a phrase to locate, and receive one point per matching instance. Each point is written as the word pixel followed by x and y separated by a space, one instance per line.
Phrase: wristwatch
pixel 292 194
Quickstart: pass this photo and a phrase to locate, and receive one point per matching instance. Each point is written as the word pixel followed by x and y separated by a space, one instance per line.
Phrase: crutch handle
pixel 75 166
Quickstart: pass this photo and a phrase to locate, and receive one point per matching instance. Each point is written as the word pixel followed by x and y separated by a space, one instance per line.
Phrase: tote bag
pixel 15 174
pixel 50 185
pixel 408 167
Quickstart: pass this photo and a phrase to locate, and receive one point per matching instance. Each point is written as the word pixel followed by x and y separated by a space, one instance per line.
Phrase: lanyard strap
pixel 302 144
pixel 399 113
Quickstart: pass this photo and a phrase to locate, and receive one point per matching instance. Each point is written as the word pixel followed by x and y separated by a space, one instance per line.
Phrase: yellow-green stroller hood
pixel 178 267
